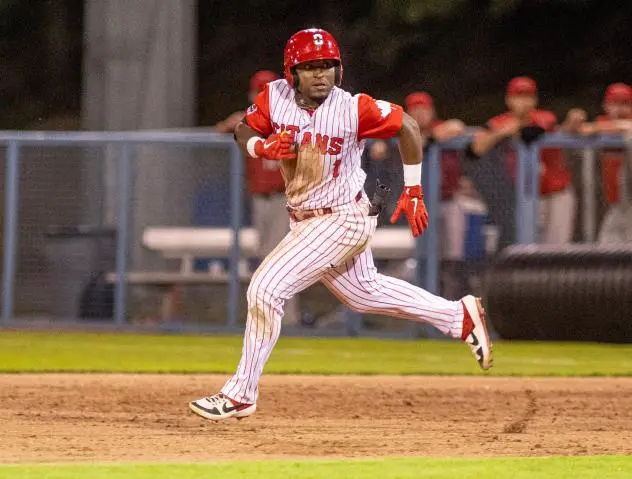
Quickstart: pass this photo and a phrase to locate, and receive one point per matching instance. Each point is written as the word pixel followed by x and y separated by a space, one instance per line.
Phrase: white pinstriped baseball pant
pixel 332 249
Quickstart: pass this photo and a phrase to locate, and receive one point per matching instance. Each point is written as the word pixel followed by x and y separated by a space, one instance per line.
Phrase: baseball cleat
pixel 475 331
pixel 219 407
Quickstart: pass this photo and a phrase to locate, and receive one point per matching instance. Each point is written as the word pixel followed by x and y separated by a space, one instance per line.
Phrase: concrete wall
pixel 139 73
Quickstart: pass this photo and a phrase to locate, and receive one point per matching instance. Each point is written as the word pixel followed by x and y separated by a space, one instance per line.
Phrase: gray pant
pixel 271 220
pixel 617 225
pixel 557 217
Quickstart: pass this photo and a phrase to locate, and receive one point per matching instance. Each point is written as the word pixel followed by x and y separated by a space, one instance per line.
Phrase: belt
pixel 302 215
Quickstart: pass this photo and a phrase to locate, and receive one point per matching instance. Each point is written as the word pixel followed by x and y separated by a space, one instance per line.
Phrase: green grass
pixel 110 352
pixel 602 467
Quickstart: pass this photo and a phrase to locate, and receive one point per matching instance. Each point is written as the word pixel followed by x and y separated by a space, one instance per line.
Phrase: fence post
pixel 11 200
pixel 526 190
pixel 427 245
pixel 236 187
pixel 122 231
pixel 534 162
pixel 433 186
pixel 589 215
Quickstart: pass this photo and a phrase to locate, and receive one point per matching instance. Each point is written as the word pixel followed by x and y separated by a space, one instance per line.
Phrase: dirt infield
pixel 145 417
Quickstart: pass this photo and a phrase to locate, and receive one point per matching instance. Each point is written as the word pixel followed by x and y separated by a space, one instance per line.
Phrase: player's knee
pixel 254 295
pixel 260 294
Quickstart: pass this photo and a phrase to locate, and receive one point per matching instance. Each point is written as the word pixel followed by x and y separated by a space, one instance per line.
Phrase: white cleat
pixel 478 338
pixel 219 407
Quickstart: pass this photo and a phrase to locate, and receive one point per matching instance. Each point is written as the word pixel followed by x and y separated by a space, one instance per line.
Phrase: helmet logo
pixel 318 39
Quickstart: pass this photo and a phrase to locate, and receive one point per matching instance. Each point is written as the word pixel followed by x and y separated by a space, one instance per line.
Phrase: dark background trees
pixel 462 51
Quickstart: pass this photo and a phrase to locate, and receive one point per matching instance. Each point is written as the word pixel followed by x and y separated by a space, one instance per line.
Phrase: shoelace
pixel 215 400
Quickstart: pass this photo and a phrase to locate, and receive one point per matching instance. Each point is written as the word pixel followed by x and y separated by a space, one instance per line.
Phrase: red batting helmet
pixel 308 45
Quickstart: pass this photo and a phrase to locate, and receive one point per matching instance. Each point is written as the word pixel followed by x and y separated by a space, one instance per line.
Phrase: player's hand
pixel 276 147
pixel 575 118
pixel 411 202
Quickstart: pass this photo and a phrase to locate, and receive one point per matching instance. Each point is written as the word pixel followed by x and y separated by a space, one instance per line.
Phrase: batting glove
pixel 276 147
pixel 411 202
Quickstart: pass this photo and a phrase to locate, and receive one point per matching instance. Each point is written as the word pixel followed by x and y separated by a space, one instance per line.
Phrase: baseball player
pixel 558 200
pixel 317 132
pixel 617 119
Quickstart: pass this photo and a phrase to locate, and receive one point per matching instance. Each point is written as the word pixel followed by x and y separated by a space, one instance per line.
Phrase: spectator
pixel 617 119
pixel 524 120
pixel 267 189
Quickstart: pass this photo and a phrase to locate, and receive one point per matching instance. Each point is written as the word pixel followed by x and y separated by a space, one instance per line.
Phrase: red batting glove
pixel 411 202
pixel 276 147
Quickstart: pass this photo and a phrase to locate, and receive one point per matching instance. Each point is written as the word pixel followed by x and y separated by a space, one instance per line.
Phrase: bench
pixel 187 244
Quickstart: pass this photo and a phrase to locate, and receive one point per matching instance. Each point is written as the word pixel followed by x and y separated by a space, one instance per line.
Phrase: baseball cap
pixel 522 86
pixel 618 92
pixel 259 79
pixel 418 98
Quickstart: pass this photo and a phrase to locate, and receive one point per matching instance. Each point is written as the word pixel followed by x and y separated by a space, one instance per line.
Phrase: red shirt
pixel 450 163
pixel 612 161
pixel 264 176
pixel 554 175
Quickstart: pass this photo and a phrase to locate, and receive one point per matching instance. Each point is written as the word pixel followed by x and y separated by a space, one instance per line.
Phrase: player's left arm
pixel 411 201
pixel 410 142
pixel 382 119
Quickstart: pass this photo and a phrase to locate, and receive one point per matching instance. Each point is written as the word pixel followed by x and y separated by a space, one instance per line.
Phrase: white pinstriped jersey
pixel 331 248
pixel 329 141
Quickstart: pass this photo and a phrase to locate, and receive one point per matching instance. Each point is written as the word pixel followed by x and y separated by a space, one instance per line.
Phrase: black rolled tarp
pixel 566 292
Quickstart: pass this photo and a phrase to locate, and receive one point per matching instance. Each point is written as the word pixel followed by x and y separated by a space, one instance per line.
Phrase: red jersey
pixel 554 175
pixel 450 163
pixel 612 161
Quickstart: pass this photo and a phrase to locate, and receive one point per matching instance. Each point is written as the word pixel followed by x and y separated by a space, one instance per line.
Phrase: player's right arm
pixel 606 126
pixel 486 139
pixel 255 135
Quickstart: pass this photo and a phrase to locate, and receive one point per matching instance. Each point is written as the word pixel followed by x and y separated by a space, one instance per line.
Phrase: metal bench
pixel 187 244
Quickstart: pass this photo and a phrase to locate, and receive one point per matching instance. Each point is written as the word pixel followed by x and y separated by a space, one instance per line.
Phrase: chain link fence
pixel 83 215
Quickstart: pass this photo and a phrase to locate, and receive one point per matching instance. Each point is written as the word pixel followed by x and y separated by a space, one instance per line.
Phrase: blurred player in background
pixel 266 187
pixel 615 167
pixel 558 202
pixel 317 132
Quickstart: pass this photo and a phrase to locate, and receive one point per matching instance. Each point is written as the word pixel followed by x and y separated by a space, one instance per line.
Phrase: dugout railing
pixel 123 146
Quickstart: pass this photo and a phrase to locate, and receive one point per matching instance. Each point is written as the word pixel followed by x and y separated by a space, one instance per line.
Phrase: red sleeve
pixel 498 121
pixel 544 119
pixel 378 118
pixel 258 114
